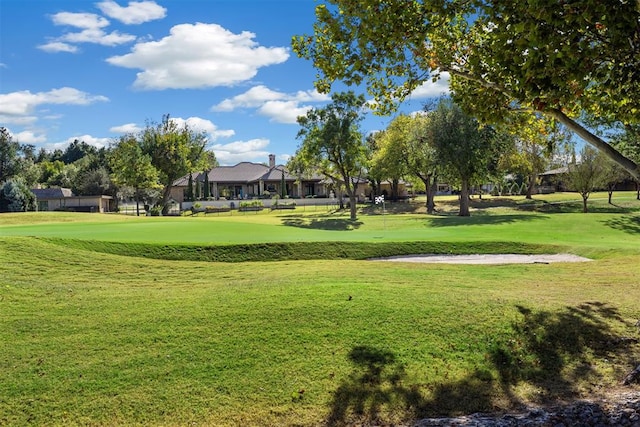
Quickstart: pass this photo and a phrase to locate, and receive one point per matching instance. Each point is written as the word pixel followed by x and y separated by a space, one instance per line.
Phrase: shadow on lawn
pixel 479 219
pixel 629 224
pixel 552 351
pixel 321 223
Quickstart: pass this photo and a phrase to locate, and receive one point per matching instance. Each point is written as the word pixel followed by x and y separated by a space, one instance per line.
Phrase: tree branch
pixel 595 141
pixel 571 124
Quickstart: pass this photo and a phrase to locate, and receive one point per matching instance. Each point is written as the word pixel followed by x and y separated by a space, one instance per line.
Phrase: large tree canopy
pixel 174 151
pixel 565 59
pixel 333 144
pixel 131 167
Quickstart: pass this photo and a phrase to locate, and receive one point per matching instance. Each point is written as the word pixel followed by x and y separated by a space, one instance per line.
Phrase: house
pixel 248 180
pixel 62 199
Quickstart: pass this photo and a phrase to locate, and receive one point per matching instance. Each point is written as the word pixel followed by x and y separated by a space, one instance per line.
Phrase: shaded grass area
pixel 109 340
pixel 283 251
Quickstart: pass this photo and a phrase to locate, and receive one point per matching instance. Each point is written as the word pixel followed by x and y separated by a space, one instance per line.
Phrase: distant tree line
pixel 140 166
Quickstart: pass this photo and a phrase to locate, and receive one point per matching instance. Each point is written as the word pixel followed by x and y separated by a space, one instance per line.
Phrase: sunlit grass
pixel 91 338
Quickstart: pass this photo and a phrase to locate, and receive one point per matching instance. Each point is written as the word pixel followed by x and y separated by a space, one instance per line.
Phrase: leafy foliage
pixel 563 60
pixel 586 175
pixel 464 148
pixel 131 167
pixel 174 152
pixel 333 143
pixel 15 196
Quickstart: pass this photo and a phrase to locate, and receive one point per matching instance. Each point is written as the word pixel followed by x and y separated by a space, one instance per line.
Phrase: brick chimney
pixel 272 160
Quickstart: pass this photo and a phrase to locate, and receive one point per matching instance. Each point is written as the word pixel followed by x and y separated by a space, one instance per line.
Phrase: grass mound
pixel 287 251
pixel 99 339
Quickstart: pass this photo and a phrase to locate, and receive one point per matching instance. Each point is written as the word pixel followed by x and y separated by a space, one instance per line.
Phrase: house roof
pixel 52 193
pixel 242 172
pixel 558 171
pixel 275 174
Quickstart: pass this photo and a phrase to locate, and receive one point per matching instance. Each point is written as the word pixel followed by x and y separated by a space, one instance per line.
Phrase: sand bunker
pixel 487 259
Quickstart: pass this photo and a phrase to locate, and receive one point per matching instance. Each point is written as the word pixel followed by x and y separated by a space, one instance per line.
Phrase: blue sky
pixel 94 70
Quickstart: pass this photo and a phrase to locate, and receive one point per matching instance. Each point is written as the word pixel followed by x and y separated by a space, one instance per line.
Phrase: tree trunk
pixel 610 193
pixel 464 198
pixel 530 185
pixel 165 199
pixel 637 190
pixel 628 164
pixel 584 203
pixel 352 206
pixel 137 201
pixel 394 189
pixel 431 187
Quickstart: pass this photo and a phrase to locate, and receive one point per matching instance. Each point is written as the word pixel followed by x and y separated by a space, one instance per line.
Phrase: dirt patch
pixel 487 259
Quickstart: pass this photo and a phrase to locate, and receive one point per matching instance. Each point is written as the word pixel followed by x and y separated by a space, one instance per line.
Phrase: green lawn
pixel 104 339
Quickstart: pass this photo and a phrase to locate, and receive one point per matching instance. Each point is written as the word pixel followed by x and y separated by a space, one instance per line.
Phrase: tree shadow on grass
pixel 594 206
pixel 321 223
pixel 552 351
pixel 556 351
pixel 474 219
pixel 629 224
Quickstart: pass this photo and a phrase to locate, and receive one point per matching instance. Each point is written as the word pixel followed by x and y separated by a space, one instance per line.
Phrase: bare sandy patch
pixel 487 259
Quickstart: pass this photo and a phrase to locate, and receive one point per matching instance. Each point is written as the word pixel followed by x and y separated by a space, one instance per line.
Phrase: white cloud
pixel 279 107
pixel 126 128
pixel 196 124
pixel 97 36
pixel 254 97
pixel 198 56
pixel 432 89
pixel 29 137
pixel 24 102
pixel 92 31
pixel 137 12
pixel 283 111
pixel 239 151
pixel 203 125
pixel 80 20
pixel 17 120
pixel 53 47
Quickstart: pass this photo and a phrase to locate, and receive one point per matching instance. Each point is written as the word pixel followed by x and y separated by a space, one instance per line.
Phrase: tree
pixel 283 185
pixel 422 158
pixel 174 151
pixel 463 147
pixel 566 60
pixel 374 173
pixel 9 155
pixel 76 151
pixel 390 157
pixel 15 196
pixel 586 175
pixel 332 141
pixel 535 139
pixel 627 141
pixel 58 174
pixel 131 167
pixel 205 185
pixel 189 195
pixel 94 182
pixel 612 174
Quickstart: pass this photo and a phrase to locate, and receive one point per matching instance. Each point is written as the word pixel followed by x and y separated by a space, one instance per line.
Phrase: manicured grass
pixel 105 339
pixel 610 228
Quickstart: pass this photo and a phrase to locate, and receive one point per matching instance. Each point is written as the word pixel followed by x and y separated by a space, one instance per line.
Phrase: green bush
pixel 15 196
pixel 252 203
